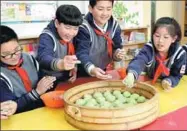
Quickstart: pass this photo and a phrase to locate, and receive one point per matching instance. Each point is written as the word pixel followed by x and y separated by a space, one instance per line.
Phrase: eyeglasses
pixel 9 56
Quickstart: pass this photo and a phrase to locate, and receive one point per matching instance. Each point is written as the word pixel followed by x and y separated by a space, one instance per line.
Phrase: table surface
pixel 46 118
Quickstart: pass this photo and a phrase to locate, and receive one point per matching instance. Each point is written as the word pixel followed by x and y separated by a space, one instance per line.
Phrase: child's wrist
pixel 60 64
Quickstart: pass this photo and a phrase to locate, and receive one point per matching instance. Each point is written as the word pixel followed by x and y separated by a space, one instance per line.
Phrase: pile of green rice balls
pixel 110 99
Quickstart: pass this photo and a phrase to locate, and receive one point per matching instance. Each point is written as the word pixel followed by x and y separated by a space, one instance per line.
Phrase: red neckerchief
pixel 71 50
pixel 108 39
pixel 160 69
pixel 23 75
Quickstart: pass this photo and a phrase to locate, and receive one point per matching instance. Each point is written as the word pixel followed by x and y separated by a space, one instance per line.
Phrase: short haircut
pixel 69 14
pixel 92 3
pixel 172 26
pixel 7 34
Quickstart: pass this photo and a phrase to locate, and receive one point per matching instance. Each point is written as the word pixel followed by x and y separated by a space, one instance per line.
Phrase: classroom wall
pixel 33 30
pixel 29 29
pixel 147 16
pixel 163 8
pixel 80 4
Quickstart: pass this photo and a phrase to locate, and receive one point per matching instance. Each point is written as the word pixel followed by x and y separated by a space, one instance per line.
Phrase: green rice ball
pixel 106 105
pixel 116 92
pixel 119 96
pixel 117 103
pixel 126 94
pixel 122 99
pixel 128 100
pixel 89 104
pixel 132 101
pixel 97 94
pixel 92 100
pixel 87 97
pixel 141 99
pixel 100 99
pixel 135 95
pixel 106 93
pixel 110 98
pixel 80 102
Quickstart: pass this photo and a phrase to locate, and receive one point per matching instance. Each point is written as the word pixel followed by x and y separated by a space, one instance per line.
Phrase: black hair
pixel 7 34
pixel 92 3
pixel 172 26
pixel 69 14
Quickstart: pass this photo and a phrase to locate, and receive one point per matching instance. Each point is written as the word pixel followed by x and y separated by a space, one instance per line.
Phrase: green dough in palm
pixel 126 94
pixel 97 94
pixel 135 96
pixel 141 99
pixel 80 102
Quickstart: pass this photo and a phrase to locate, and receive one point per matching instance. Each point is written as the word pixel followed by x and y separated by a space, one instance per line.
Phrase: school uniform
pixel 171 69
pixel 185 48
pixel 95 46
pixel 51 49
pixel 14 88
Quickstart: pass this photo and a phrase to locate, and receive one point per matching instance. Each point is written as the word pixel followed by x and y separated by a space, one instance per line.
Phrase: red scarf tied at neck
pixel 108 39
pixel 160 69
pixel 23 75
pixel 71 50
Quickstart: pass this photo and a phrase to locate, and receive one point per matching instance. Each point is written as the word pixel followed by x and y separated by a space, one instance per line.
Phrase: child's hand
pixel 166 85
pixel 120 53
pixel 129 80
pixel 44 84
pixel 73 74
pixel 8 108
pixel 68 62
pixel 99 73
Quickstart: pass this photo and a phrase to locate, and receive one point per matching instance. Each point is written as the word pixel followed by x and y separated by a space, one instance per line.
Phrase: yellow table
pixel 53 119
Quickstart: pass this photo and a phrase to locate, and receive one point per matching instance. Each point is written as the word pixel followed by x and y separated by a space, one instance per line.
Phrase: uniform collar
pixel 104 29
pixel 107 27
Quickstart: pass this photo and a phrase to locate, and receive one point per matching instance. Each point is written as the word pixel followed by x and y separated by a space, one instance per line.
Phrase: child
pixel 8 108
pixel 98 40
pixel 163 58
pixel 19 74
pixel 185 48
pixel 56 54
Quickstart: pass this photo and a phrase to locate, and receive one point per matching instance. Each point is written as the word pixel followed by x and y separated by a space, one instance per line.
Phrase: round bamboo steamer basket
pixel 121 118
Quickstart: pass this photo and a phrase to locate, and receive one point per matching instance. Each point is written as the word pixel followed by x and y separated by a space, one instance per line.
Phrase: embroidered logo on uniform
pixel 183 68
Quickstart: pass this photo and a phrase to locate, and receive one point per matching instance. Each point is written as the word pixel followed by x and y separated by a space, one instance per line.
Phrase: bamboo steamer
pixel 122 118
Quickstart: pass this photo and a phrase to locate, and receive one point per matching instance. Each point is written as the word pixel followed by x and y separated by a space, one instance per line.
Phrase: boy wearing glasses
pixel 19 74
pixel 56 54
pixel 99 40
